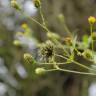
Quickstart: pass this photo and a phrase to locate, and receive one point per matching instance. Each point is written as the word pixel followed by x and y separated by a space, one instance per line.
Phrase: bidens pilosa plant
pixel 57 48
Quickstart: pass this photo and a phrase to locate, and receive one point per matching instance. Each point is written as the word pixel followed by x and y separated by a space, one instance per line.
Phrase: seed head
pixel 47 49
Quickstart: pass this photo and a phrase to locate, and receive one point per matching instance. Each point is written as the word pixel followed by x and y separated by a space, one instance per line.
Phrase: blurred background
pixel 18 78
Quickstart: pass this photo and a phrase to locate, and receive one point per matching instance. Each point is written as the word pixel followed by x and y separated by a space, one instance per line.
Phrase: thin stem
pixel 77 51
pixel 65 26
pixel 53 63
pixel 91 30
pixel 61 46
pixel 77 72
pixel 81 65
pixel 34 20
pixel 67 29
pixel 42 16
pixel 71 71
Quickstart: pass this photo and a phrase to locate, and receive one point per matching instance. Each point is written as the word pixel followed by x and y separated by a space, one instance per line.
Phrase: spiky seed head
pixel 47 49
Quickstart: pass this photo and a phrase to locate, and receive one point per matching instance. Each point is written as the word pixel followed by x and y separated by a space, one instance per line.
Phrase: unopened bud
pixel 15 5
pixel 94 35
pixel 16 43
pixel 37 3
pixel 61 17
pixel 28 58
pixel 53 35
pixel 40 71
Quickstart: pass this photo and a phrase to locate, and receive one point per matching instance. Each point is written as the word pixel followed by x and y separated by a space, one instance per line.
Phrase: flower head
pixel 47 49
pixel 24 26
pixel 91 20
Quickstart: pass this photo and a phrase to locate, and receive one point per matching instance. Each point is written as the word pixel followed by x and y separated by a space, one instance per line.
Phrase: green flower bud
pixel 16 43
pixel 53 35
pixel 15 5
pixel 37 3
pixel 94 35
pixel 61 17
pixel 29 59
pixel 40 71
